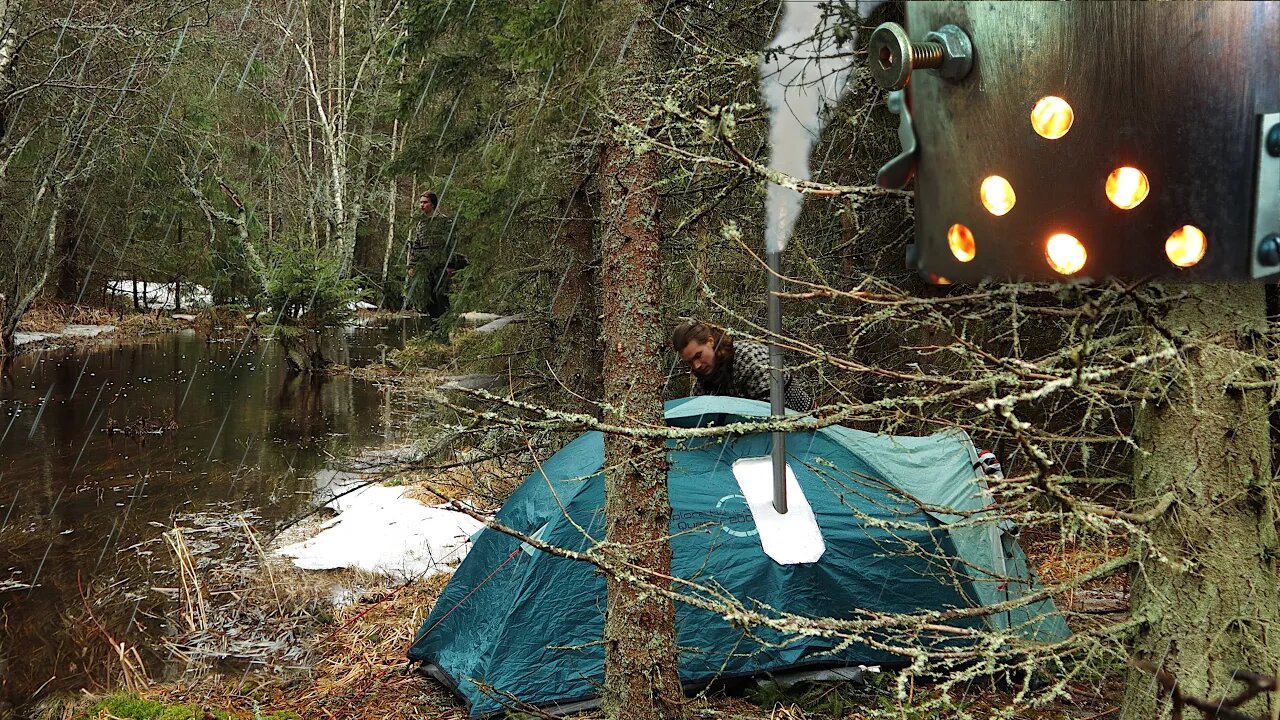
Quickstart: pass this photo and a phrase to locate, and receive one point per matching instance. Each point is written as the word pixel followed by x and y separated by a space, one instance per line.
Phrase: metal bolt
pixel 1269 250
pixel 893 56
pixel 1273 141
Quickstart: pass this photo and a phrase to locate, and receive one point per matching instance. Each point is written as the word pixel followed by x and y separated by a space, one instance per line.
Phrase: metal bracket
pixel 1266 203
pixel 898 172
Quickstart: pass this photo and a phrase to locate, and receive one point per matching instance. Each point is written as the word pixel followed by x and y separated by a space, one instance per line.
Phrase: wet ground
pixel 103 449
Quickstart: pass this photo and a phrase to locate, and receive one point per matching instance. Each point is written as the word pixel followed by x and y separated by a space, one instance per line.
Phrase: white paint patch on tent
pixel 789 539
pixel 380 530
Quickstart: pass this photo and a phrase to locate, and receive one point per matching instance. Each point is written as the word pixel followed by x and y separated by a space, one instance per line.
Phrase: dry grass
pixel 380 315
pixel 53 316
pixel 1058 560
pixel 148 323
pixel 257 636
pixel 221 321
pixel 409 379
pixel 476 484
pixel 361 671
pixel 355 666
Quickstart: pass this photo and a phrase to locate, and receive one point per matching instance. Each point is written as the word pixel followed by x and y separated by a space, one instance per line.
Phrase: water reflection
pixel 100 446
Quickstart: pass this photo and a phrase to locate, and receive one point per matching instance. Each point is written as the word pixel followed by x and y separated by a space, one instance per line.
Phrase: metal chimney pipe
pixel 777 400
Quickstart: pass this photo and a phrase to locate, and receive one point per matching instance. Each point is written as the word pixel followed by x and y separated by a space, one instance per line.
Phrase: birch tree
pixel 10 15
pixel 71 82
pixel 344 53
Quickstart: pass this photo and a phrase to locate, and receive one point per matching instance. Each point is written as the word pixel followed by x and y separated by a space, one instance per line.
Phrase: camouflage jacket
pixel 433 241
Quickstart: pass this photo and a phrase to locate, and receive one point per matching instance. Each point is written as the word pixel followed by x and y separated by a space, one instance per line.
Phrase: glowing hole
pixel 1127 187
pixel 1186 246
pixel 960 239
pixel 1065 253
pixel 1052 117
pixel 997 195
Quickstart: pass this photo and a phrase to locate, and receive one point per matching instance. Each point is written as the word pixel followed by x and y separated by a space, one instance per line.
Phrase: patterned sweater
pixel 748 377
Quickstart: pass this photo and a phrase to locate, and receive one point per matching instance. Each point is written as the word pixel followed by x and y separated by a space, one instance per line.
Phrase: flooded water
pixel 101 450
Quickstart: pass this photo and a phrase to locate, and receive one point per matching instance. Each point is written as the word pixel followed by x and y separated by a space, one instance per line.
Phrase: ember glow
pixel 1052 117
pixel 960 240
pixel 1065 253
pixel 997 195
pixel 1186 246
pixel 1127 187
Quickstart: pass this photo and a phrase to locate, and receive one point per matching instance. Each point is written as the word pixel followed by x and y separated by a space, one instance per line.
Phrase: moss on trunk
pixel 1206 585
pixel 641 680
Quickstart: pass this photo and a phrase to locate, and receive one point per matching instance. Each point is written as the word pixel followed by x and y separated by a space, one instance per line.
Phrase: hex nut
pixel 957 56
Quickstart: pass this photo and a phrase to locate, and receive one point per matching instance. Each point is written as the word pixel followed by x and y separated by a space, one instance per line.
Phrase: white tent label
pixel 788 539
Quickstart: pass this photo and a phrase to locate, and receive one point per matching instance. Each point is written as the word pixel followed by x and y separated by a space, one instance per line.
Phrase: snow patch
pixel 26 338
pixel 152 295
pixel 500 323
pixel 68 331
pixel 477 318
pixel 380 530
pixel 86 330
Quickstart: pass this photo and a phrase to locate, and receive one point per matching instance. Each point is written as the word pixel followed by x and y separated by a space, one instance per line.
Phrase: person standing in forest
pixel 433 259
pixel 723 366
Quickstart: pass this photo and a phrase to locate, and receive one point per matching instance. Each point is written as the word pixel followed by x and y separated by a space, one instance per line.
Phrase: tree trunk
pixel 69 270
pixel 391 214
pixel 302 350
pixel 641 679
pixel 7 329
pixel 1207 589
pixel 576 306
pixel 10 11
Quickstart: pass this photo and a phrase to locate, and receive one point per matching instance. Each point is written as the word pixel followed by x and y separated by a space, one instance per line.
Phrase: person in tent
pixel 737 368
pixel 433 259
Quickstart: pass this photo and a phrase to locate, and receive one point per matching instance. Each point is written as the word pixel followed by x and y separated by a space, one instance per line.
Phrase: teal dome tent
pixel 870 529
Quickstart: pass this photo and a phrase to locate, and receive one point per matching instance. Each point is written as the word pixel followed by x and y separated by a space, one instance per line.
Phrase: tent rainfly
pixel 877 524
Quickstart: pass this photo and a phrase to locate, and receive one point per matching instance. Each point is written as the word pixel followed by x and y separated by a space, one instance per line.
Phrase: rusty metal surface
pixel 1174 89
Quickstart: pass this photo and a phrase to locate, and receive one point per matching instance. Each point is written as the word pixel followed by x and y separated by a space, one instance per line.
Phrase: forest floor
pixel 331 644
pixel 353 661
pixel 50 324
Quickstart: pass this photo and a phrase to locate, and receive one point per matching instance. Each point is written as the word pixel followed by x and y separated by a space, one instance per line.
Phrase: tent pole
pixel 777 401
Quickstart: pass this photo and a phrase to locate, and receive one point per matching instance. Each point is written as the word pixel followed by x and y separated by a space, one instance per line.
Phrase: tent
pixel 869 528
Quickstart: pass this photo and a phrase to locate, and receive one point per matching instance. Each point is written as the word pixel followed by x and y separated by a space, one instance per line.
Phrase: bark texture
pixel 641 679
pixel 576 305
pixel 1207 588
pixel 70 270
pixel 302 350
pixel 10 12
